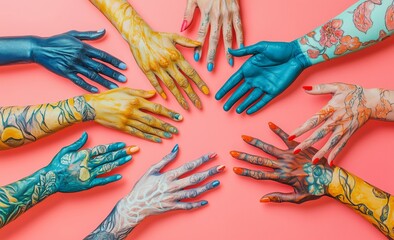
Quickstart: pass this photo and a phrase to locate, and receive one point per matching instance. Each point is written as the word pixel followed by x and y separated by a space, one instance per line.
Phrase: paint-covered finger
pixel 195 192
pixel 230 84
pixel 136 132
pixel 161 110
pixel 267 148
pixel 256 160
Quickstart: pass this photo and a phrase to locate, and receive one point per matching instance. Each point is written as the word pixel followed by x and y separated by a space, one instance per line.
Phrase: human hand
pixel 76 170
pixel 350 108
pixel 216 14
pixel 309 181
pixel 124 109
pixel 66 55
pixel 271 69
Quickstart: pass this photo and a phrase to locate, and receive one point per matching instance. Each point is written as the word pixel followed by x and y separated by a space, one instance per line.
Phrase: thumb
pixel 87 35
pixel 184 41
pixel 76 145
pixel 281 197
pixel 327 88
pixel 140 92
pixel 252 49
pixel 189 13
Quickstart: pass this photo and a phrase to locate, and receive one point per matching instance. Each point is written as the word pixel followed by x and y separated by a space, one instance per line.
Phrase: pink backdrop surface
pixel 234 210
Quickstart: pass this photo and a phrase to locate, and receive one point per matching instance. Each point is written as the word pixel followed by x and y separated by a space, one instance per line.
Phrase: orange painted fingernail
pixel 132 149
pixel 221 168
pixel 291 138
pixel 163 95
pixel 247 138
pixel 272 126
pixel 307 88
pixel 234 154
pixel 297 151
pixel 315 160
pixel 205 90
pixel 198 104
pixel 212 155
pixel 265 200
pixel 238 170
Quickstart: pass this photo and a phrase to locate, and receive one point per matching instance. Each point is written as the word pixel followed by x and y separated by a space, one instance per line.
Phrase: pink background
pixel 234 210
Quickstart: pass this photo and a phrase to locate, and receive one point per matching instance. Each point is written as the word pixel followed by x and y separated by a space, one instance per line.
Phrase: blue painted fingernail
pixel 175 149
pixel 94 90
pixel 196 56
pixel 231 62
pixel 101 30
pixel 167 135
pixel 118 177
pixel 177 116
pixel 215 183
pixel 158 140
pixel 121 145
pixel 203 203
pixel 122 78
pixel 128 158
pixel 210 67
pixel 112 86
pixel 122 66
pixel 226 108
pixel 241 45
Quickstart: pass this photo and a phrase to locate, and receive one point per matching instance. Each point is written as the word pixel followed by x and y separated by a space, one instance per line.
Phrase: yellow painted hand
pixel 122 109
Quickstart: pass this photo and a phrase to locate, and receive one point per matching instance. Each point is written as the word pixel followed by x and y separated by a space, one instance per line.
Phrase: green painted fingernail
pixel 167 134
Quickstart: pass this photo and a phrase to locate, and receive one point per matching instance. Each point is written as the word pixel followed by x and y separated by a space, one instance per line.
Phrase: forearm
pixel 22 125
pixel 16 49
pixel 361 25
pixel 373 204
pixel 16 198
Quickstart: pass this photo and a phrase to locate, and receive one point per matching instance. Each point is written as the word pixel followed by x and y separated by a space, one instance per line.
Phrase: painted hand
pixel 76 170
pixel 67 56
pixel 157 192
pixel 309 181
pixel 215 13
pixel 271 69
pixel 349 109
pixel 124 109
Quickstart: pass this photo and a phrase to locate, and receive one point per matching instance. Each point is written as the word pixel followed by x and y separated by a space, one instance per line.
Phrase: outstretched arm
pixel 118 108
pixel 155 52
pixel 156 193
pixel 311 182
pixel 71 170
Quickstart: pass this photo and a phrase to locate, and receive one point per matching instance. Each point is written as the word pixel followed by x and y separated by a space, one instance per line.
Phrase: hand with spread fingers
pixel 157 193
pixel 155 52
pixel 215 15
pixel 271 69
pixel 349 109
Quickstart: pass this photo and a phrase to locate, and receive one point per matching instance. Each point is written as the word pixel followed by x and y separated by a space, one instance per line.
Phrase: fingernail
pixel 231 62
pixel 163 95
pixel 167 134
pixel 238 170
pixel 101 30
pixel 94 89
pixel 210 67
pixel 291 138
pixel 118 177
pixel 158 140
pixel 113 86
pixel 121 145
pixel 234 154
pixel 315 160
pixel 331 164
pixel 247 138
pixel 122 78
pixel 196 56
pixel 272 126
pixel 174 130
pixel 215 183
pixel 184 25
pixel 205 90
pixel 265 200
pixel 133 149
pixel 198 105
pixel 241 45
pixel 175 149
pixel 221 168
pixel 203 203
pixel 122 66
pixel 226 108
pixel 128 158
pixel 297 151
pixel 307 88
pixel 178 116
pixel 212 155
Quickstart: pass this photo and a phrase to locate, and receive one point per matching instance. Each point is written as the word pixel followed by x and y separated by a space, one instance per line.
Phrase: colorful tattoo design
pixel 71 170
pixel 66 55
pixel 311 182
pixel 157 193
pixel 215 14
pixel 155 52
pixel 124 109
pixel 349 109
pixel 366 22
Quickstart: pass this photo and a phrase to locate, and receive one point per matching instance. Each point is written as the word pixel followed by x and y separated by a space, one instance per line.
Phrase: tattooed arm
pixel 274 66
pixel 71 170
pixel 157 193
pixel 155 52
pixel 118 108
pixel 349 109
pixel 311 182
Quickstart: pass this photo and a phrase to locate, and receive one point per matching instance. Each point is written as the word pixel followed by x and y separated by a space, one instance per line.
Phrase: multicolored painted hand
pixel 157 193
pixel 349 109
pixel 311 182
pixel 155 52
pixel 271 69
pixel 215 14
pixel 71 170
pixel 66 55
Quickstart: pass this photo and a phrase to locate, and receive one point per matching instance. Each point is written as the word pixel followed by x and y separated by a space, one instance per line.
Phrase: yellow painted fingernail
pixel 205 90
pixel 198 104
pixel 163 95
pixel 152 92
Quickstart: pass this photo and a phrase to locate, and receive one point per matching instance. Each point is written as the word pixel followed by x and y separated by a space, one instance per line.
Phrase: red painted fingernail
pixel 265 200
pixel 315 160
pixel 238 170
pixel 297 151
pixel 184 25
pixel 331 163
pixel 247 138
pixel 272 126
pixel 307 88
pixel 221 168
pixel 234 154
pixel 291 138
pixel 212 155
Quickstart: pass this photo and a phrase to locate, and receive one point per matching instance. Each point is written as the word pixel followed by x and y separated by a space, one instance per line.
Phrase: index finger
pixel 187 167
pixel 230 84
pixel 267 148
pixel 105 57
pixel 283 135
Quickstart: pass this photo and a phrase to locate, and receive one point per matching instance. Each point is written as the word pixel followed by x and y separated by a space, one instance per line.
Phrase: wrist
pixel 85 107
pixel 300 55
pixel 35 48
pixel 379 101
pixel 48 182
